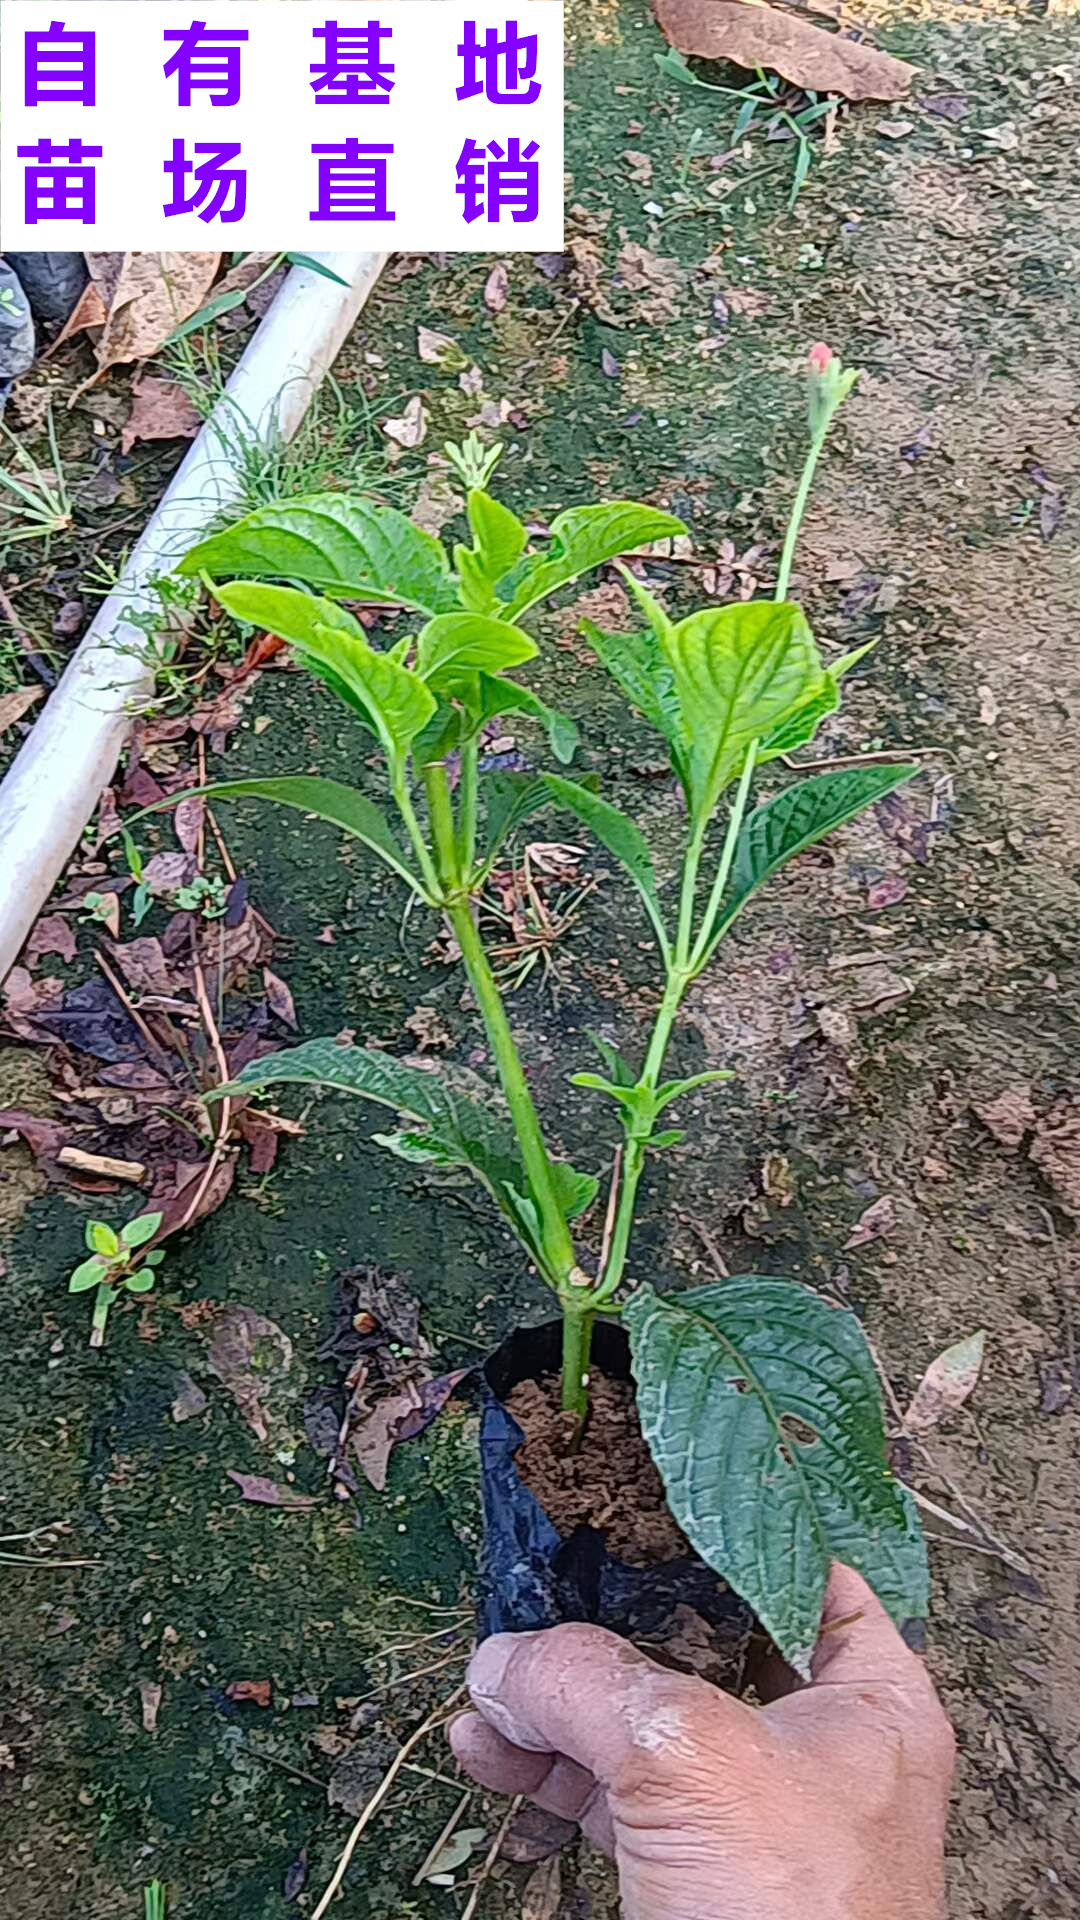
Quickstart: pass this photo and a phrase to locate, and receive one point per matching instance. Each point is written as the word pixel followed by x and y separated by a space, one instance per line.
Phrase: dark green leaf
pixel 221 303
pixel 619 835
pixel 510 798
pixel 739 672
pixel 585 537
pixel 315 266
pixel 638 662
pixel 342 545
pixel 761 1407
pixel 795 819
pixel 456 643
pixel 618 1066
pixel 456 1121
pixel 328 800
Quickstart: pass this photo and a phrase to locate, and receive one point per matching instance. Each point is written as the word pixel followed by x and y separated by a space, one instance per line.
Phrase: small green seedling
pixel 115 1265
pixel 205 895
pixel 154 1900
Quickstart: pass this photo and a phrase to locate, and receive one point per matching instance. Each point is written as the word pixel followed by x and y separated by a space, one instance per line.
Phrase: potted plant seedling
pixel 758 1400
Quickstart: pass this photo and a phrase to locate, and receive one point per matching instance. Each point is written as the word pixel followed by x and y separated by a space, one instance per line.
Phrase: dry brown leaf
pixel 410 428
pixel 542 1891
pixel 147 296
pixel 373 1438
pixel 279 999
pixel 249 1355
pixel 188 820
pixel 161 410
pixel 144 966
pixel 947 1383
pixel 257 1691
pixel 244 273
pixel 878 1220
pixel 51 934
pixel 268 1493
pixel 439 350
pixel 760 36
pixel 497 288
pixel 190 1400
pixel 150 1700
pixel 14 705
pixel 1055 1150
pixel 1009 1116
pixel 194 1201
pixel 652 276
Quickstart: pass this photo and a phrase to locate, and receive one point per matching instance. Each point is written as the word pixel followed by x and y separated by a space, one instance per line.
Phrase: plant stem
pixel 577 1344
pixel 798 508
pixel 399 786
pixel 556 1244
pixel 470 754
pixel 731 838
pixel 103 1299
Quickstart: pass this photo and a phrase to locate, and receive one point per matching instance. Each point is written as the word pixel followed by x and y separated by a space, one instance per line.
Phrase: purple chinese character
pixel 60 66
pixel 352 182
pixel 208 61
pixel 352 70
pixel 219 191
pixel 510 180
pixel 517 56
pixel 59 187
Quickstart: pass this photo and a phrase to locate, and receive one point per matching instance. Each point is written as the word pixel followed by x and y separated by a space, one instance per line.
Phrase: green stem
pixel 399 787
pixel 103 1299
pixel 556 1244
pixel 470 753
pixel 577 1345
pixel 798 508
pixel 702 948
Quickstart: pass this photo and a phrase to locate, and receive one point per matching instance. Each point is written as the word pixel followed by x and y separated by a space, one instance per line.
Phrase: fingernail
pixel 489 1664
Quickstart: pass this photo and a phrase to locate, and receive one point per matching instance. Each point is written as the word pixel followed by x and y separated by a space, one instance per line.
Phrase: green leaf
pixel 221 303
pixel 675 1089
pixel 297 617
pixel 143 1228
pixel 329 800
pixel 510 799
pixel 397 701
pixel 739 672
pixel 345 546
pixel 638 662
pixel 585 537
pixel 155 1258
pixel 457 1123
pixel 794 820
pixel 574 1191
pixel 90 1273
pixel 140 1282
pixel 801 725
pixel 618 1066
pixel 456 643
pixel 100 1238
pixel 620 836
pixel 498 535
pixel 488 698
pixel 315 266
pixel 761 1407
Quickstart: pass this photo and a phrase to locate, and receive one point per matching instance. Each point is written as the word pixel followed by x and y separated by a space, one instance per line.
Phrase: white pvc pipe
pixel 57 779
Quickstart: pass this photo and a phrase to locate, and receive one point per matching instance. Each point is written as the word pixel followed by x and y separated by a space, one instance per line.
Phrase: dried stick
pixel 437 1846
pixel 437 1717
pixel 490 1857
pixel 131 1009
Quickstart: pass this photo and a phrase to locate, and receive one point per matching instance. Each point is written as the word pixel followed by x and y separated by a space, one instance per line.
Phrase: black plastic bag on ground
pixel 530 1575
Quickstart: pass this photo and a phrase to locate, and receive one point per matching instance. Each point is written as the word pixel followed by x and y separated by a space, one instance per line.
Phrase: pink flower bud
pixel 820 357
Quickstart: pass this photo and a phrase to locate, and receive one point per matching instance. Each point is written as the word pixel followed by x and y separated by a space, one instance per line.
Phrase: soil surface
pixel 214 1683
pixel 609 1481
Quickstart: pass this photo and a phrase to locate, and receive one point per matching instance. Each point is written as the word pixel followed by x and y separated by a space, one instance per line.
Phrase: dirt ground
pixel 877 1004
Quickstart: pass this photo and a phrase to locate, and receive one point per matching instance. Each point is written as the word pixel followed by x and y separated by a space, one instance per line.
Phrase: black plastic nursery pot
pixel 531 1575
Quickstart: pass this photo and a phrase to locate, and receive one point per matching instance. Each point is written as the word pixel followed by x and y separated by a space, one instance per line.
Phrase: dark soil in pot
pixel 586 1534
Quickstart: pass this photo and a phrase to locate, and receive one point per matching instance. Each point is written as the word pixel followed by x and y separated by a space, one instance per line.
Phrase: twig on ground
pixel 491 1856
pixel 418 1673
pixel 436 1718
pixel 132 1011
pixel 437 1846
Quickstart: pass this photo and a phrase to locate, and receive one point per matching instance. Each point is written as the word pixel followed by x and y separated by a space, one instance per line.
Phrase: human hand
pixel 827 1804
